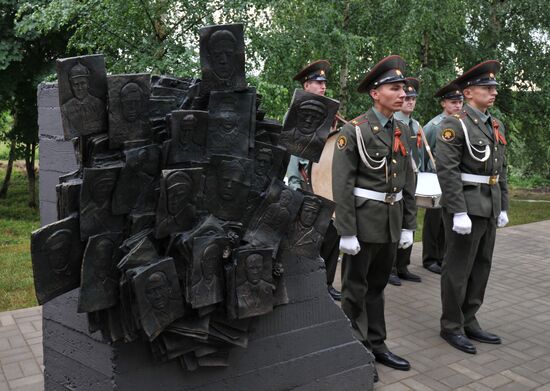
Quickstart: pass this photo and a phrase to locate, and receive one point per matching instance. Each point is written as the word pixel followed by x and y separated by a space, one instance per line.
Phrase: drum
pixel 428 191
pixel 321 172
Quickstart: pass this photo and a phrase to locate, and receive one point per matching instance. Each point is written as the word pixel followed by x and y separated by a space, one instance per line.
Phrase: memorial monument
pixel 187 247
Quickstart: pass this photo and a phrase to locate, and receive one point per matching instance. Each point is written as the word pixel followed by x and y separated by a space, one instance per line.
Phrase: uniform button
pixel 394 161
pixel 496 172
pixel 377 153
pixel 394 174
pixel 480 142
pixel 496 160
pixel 395 189
pixel 496 148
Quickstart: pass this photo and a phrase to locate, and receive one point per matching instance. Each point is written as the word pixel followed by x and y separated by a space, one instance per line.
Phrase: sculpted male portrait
pixel 136 187
pixel 158 296
pixel 307 124
pixel 56 258
pixel 208 290
pixel 254 295
pixel 230 123
pixel 222 57
pixel 99 286
pixel 188 137
pixel 228 188
pixel 128 108
pixel 176 211
pixel 84 113
pixel 303 237
pixel 95 207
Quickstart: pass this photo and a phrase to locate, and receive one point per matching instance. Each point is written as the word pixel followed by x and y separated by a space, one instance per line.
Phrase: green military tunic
pixel 468 258
pixel 376 224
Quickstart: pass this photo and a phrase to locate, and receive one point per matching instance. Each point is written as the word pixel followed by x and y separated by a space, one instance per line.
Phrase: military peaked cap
pixel 412 85
pixel 482 74
pixel 450 90
pixel 388 70
pixel 317 70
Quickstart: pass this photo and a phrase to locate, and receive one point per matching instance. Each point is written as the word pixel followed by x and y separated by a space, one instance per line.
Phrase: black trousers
pixel 402 258
pixel 364 277
pixel 465 272
pixel 433 237
pixel 330 251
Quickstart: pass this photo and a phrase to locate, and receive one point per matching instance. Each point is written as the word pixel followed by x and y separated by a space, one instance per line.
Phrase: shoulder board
pixel 359 120
pixel 460 115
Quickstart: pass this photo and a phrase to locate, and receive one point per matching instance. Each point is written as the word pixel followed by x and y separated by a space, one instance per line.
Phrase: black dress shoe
pixel 483 336
pixel 459 341
pixel 392 360
pixel 408 276
pixel 336 295
pixel 434 268
pixel 394 280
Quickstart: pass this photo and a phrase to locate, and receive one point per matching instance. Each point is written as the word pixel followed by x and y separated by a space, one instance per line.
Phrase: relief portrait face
pixel 221 49
pixel 231 176
pixel 157 291
pixel 79 86
pixel 263 163
pixel 309 118
pixel 229 120
pixel 308 215
pixel 104 259
pixel 103 189
pixel 254 267
pixel 210 260
pixel 58 247
pixel 130 100
pixel 185 135
pixel 178 192
pixel 286 197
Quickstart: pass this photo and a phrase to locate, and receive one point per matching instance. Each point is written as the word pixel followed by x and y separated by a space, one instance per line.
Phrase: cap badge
pixel 491 75
pixel 322 72
pixel 398 72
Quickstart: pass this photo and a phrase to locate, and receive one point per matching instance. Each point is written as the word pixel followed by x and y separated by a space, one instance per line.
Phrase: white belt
pixel 388 198
pixel 487 179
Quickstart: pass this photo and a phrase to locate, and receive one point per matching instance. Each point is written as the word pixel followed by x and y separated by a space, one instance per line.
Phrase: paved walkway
pixel 517 307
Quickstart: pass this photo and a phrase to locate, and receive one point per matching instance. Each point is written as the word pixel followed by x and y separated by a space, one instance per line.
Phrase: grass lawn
pixel 17 221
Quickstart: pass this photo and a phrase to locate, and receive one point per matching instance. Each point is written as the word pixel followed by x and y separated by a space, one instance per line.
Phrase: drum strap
pixel 426 145
pixel 487 152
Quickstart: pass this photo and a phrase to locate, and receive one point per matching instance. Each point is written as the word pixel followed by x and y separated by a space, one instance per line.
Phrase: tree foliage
pixel 438 39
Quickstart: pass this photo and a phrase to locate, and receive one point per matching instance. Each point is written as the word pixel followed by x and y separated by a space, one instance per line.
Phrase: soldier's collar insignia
pixel 341 142
pixel 448 134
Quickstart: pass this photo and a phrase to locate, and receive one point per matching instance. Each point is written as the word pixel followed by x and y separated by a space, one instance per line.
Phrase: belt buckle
pixel 389 198
pixel 493 180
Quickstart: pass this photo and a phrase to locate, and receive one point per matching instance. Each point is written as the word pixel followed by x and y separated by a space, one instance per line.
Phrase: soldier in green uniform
pixel 471 169
pixel 433 233
pixel 373 186
pixel 400 269
pixel 313 78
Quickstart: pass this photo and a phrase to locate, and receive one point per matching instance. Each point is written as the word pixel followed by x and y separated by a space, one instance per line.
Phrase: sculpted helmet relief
pixel 177 226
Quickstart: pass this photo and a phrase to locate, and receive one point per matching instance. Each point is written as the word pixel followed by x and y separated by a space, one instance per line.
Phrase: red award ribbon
pixel 397 143
pixel 498 136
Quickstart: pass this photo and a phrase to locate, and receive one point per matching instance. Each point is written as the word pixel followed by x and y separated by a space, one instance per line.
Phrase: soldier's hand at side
pixel 406 239
pixel 462 224
pixel 502 219
pixel 349 245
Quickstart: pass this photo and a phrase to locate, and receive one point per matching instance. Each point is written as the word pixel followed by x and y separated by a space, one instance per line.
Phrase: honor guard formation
pixel 382 166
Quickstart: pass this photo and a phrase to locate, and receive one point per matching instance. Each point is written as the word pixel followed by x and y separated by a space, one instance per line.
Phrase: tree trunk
pixel 9 168
pixel 343 95
pixel 30 152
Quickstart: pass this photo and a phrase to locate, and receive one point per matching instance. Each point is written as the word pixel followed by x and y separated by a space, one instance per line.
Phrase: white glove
pixel 406 239
pixel 349 245
pixel 502 219
pixel 462 224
